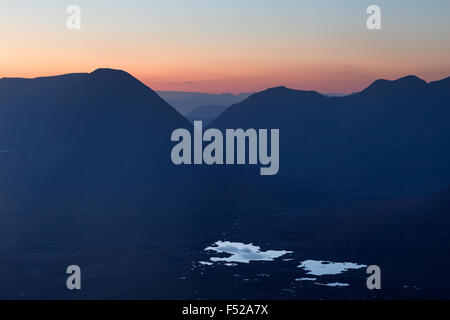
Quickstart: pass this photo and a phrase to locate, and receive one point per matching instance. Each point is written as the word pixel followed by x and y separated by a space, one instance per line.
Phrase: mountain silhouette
pixel 205 113
pixel 103 130
pixel 86 179
pixel 403 85
pixel 389 139
pixel 87 124
pixel 186 102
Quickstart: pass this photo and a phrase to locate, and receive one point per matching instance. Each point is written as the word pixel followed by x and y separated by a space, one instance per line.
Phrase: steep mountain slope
pixel 106 120
pixel 186 102
pixel 88 180
pixel 205 113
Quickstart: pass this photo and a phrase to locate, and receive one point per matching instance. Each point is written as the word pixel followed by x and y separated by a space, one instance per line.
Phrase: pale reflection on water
pixel 320 268
pixel 334 284
pixel 238 252
pixel 243 253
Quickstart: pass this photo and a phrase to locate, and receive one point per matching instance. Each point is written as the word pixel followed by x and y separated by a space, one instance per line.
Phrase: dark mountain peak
pixel 282 91
pixel 271 107
pixel 108 72
pixel 111 75
pixel 275 96
pixel 407 83
pixel 117 82
pixel 278 88
pixel 95 113
pixel 410 82
pixel 103 73
pixel 410 79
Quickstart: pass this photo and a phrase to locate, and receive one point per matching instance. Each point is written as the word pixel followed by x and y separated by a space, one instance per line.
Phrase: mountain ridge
pixel 391 131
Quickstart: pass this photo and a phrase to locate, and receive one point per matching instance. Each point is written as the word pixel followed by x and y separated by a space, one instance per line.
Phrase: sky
pixel 229 45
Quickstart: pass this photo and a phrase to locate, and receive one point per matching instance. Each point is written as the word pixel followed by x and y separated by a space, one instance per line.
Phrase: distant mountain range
pixel 186 102
pixel 391 138
pixel 205 113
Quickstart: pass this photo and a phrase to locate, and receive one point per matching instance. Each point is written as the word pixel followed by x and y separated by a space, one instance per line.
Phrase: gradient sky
pixel 229 45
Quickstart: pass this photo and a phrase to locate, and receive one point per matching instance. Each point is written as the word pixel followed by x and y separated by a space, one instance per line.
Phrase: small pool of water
pixel 306 279
pixel 243 253
pixel 320 268
pixel 334 284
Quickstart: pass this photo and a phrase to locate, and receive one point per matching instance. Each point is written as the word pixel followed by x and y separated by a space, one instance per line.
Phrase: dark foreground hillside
pixel 87 180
